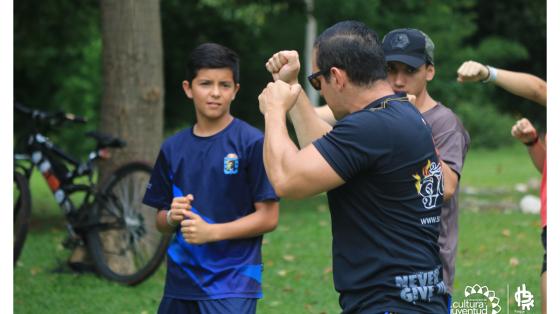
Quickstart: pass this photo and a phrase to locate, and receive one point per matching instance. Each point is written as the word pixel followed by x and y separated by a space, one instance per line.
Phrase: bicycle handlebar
pixel 52 119
pixel 74 118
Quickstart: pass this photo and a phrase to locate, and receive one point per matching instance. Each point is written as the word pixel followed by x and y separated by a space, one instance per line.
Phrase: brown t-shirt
pixel 452 142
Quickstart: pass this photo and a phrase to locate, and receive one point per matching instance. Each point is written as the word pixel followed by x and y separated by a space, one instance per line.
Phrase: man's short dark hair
pixel 353 47
pixel 212 56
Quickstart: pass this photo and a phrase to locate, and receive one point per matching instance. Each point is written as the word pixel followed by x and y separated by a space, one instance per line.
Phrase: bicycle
pixel 110 219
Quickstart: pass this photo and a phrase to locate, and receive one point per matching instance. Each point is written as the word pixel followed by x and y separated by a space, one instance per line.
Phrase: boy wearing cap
pixel 410 66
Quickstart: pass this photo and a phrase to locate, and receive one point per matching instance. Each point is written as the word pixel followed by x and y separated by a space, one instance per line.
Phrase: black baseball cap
pixel 409 46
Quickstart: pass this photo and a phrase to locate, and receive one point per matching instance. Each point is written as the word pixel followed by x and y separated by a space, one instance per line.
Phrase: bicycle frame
pixel 42 154
pixel 100 210
pixel 22 163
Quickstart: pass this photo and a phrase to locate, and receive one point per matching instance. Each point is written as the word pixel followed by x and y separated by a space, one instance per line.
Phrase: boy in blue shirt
pixel 210 188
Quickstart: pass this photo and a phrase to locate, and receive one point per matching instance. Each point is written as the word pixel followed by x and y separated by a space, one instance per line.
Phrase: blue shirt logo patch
pixel 231 164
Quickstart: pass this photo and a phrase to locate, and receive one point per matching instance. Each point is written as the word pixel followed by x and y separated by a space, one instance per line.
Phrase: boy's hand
pixel 472 71
pixel 179 209
pixel 278 96
pixel 284 65
pixel 524 131
pixel 195 230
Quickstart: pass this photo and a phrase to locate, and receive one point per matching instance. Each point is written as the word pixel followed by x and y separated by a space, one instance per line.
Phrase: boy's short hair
pixel 353 47
pixel 212 56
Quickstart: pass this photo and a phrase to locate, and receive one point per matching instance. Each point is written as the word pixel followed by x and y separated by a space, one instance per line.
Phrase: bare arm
pixel 265 219
pixel 197 231
pixel 307 122
pixel 326 114
pixel 161 222
pixel 521 84
pixel 293 173
pixel 450 179
pixel 538 154
pixel 285 66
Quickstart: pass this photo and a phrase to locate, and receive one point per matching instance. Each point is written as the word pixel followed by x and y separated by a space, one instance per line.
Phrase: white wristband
pixel 168 219
pixel 492 74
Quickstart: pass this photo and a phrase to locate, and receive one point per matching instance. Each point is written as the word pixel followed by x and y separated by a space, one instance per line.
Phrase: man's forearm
pixel 278 148
pixel 308 125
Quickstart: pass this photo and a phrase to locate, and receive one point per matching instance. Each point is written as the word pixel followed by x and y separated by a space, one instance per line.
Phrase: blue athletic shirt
pixel 385 218
pixel 225 174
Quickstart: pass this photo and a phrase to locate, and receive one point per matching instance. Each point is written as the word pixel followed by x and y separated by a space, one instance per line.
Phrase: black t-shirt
pixel 385 218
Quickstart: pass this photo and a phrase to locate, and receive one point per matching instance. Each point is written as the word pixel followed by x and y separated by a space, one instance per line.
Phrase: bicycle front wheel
pixel 123 240
pixel 22 212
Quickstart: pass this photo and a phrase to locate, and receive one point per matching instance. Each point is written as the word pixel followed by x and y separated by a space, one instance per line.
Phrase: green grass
pixel 297 260
pixel 497 248
pixel 497 168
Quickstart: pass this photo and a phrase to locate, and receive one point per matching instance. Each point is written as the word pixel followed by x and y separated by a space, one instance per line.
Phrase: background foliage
pixel 57 51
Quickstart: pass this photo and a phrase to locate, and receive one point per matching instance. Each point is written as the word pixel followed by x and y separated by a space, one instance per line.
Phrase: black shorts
pixel 543 240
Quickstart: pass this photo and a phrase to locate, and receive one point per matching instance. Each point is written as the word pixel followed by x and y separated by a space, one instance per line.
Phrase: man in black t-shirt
pixel 378 164
pixel 411 66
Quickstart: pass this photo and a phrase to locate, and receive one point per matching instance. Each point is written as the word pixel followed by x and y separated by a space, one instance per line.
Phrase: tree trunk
pixel 132 105
pixel 133 87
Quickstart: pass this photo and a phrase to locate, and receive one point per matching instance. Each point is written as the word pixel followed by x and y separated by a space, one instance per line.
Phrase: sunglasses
pixel 314 79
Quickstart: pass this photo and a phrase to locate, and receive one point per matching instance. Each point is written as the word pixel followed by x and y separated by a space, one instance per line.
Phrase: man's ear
pixel 339 77
pixel 187 89
pixel 430 72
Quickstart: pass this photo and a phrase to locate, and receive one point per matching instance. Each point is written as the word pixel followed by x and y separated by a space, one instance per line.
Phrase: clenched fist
pixel 278 96
pixel 197 231
pixel 524 131
pixel 284 66
pixel 472 71
pixel 179 208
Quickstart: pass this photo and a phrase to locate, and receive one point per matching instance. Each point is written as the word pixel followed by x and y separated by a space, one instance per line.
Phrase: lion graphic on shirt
pixel 429 184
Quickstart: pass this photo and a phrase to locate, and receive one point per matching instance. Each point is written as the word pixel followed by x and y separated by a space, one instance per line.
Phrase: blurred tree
pixel 132 104
pixel 57 56
pixel 523 22
pixel 57 48
pixel 452 26
pixel 254 29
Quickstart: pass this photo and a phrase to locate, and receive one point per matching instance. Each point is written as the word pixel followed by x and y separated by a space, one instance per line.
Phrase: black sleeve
pixel 354 144
pixel 159 193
